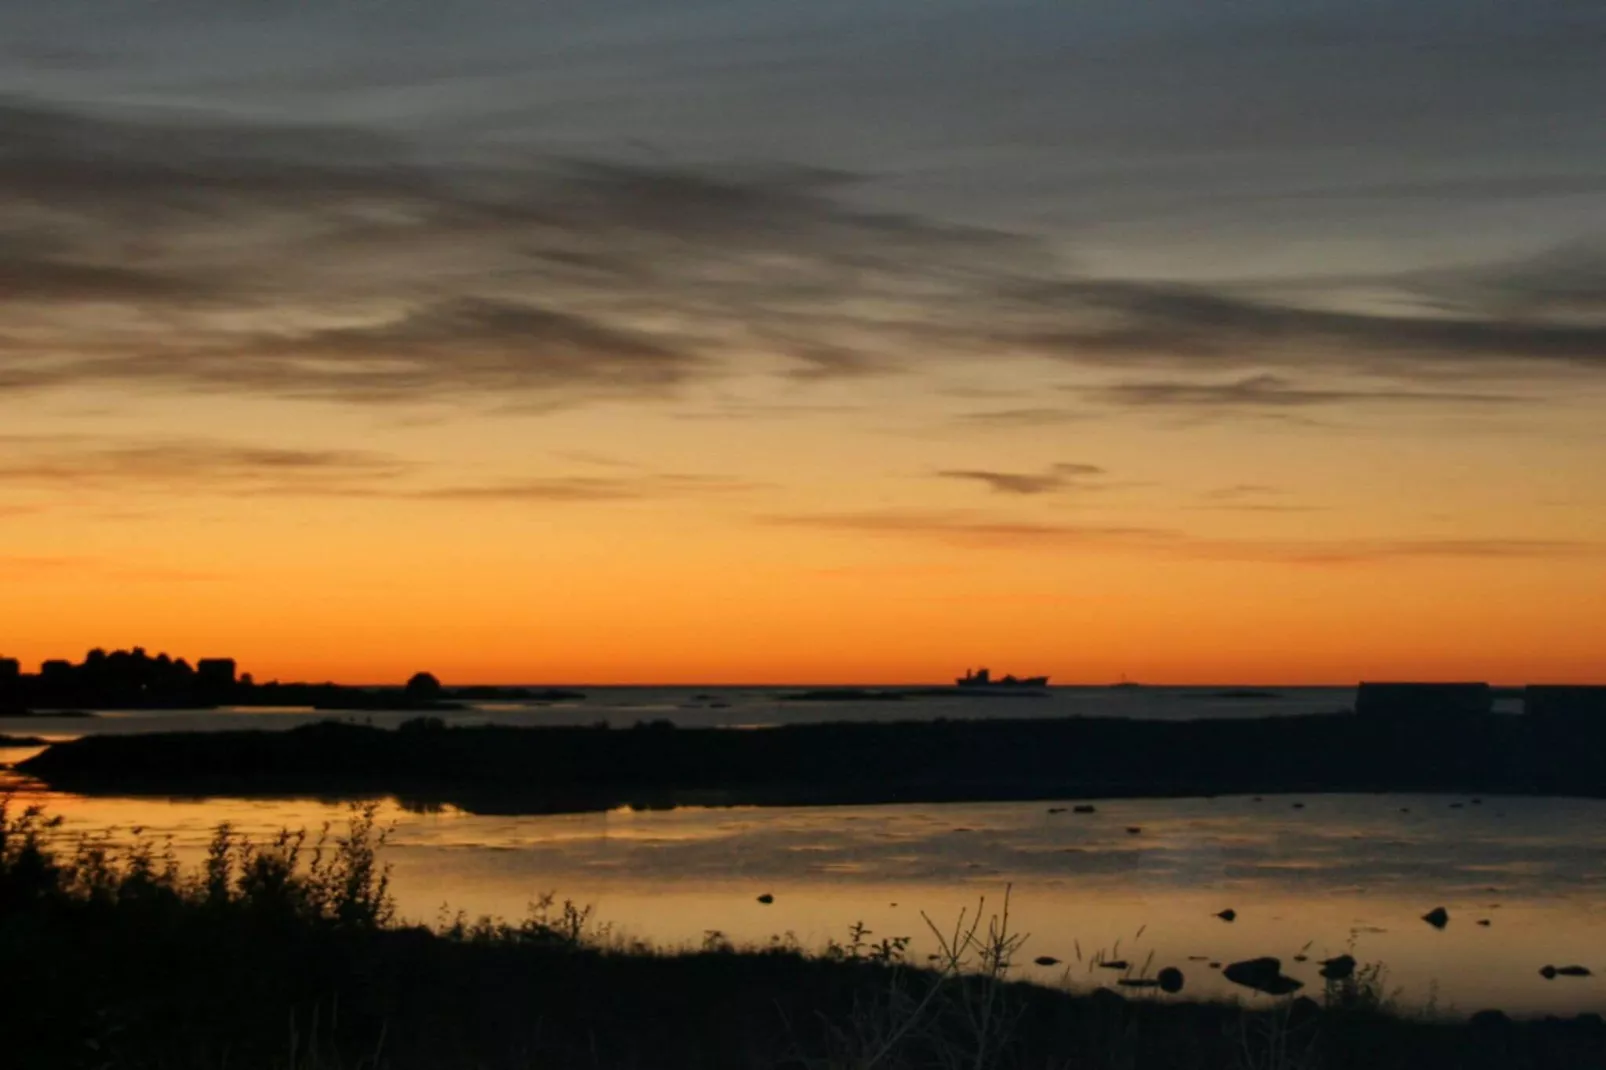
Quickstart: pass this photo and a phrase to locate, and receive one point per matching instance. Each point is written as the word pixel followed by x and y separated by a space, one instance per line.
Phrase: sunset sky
pixel 838 340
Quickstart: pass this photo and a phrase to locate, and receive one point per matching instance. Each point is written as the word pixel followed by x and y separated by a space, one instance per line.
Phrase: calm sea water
pixel 1342 873
pixel 1339 874
pixel 745 708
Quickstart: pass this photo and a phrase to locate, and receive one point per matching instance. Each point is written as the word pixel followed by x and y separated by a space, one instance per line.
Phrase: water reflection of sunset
pixel 1347 873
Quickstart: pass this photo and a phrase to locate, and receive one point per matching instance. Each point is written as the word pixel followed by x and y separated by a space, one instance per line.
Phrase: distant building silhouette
pixel 1413 700
pixel 1566 703
pixel 216 672
pixel 137 680
pixel 215 679
pixel 10 682
pixel 57 672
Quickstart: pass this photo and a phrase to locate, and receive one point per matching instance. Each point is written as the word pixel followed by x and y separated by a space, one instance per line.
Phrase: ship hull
pixel 1002 685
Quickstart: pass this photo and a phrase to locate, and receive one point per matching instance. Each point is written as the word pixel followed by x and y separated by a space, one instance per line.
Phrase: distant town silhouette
pixel 136 680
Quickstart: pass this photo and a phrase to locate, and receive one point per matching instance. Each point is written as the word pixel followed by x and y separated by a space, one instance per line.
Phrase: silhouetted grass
pixel 283 953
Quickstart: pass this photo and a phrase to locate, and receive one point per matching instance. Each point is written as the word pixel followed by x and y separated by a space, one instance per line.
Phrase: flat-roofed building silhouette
pixel 1573 703
pixel 56 672
pixel 1406 700
pixel 214 679
pixel 10 682
pixel 215 672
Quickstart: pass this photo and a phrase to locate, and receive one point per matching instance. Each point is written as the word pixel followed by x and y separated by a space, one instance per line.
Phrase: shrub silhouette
pixel 423 687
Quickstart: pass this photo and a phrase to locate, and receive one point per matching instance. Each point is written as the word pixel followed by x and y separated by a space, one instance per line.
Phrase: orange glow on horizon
pixel 824 552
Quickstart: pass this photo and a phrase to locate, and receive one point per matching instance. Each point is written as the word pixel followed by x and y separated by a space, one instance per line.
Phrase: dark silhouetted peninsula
pixel 540 769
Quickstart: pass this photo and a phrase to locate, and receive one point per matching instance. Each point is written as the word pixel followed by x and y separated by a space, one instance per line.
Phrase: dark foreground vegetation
pixel 508 770
pixel 285 955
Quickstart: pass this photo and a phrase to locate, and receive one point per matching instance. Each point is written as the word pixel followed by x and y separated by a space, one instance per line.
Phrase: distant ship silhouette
pixel 984 678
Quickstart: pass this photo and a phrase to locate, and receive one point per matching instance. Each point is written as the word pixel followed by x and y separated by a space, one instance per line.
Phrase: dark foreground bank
pixel 506 770
pixel 283 954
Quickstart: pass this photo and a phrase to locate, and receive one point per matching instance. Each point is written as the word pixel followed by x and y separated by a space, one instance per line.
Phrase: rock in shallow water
pixel 1551 972
pixel 1262 975
pixel 1438 917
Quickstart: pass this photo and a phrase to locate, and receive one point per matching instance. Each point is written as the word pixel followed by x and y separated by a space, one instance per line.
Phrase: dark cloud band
pixel 178 252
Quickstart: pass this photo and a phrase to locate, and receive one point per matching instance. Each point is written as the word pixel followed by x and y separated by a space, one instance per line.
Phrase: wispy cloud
pixel 1274 392
pixel 390 276
pixel 968 529
pixel 583 489
pixel 218 467
pixel 1252 498
pixel 983 532
pixel 761 410
pixel 1057 477
pixel 219 254
pixel 94 462
pixel 1568 281
pixel 1361 551
pixel 1167 324
pixel 1024 417
pixel 1261 507
pixel 1237 492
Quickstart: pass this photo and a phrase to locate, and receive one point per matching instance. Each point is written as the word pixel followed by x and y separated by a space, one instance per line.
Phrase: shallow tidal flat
pixel 1136 880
